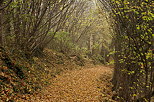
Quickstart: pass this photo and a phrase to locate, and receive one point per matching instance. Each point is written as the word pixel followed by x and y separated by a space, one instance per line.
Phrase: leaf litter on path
pixel 74 86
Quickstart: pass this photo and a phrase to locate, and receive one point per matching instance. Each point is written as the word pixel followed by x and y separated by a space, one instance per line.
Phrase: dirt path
pixel 74 86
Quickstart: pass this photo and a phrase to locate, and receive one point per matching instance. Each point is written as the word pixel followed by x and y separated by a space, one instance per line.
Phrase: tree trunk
pixel 1 29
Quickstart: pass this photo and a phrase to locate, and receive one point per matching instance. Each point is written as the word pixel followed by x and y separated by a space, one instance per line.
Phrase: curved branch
pixel 1 8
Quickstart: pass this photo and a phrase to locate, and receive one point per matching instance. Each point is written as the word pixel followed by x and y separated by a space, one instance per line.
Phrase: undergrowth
pixel 105 87
pixel 20 76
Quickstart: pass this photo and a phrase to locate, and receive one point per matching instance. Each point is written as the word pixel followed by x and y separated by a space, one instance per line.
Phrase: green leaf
pixel 134 95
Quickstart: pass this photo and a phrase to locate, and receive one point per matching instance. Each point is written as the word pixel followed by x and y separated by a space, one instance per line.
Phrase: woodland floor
pixel 84 85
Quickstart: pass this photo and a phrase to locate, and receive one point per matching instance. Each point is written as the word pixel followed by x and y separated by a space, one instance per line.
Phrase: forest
pixel 76 51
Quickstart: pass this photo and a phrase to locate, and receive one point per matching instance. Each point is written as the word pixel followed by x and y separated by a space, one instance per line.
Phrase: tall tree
pixel 133 43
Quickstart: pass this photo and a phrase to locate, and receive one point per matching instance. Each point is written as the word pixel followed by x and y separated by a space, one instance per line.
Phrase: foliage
pixel 133 22
pixel 36 73
pixel 63 42
pixel 32 26
pixel 29 22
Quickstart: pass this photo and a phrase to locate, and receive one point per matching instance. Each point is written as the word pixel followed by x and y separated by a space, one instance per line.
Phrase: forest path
pixel 75 86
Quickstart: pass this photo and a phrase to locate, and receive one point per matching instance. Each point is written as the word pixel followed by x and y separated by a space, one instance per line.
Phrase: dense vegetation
pixel 102 30
pixel 133 78
pixel 64 25
pixel 28 29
